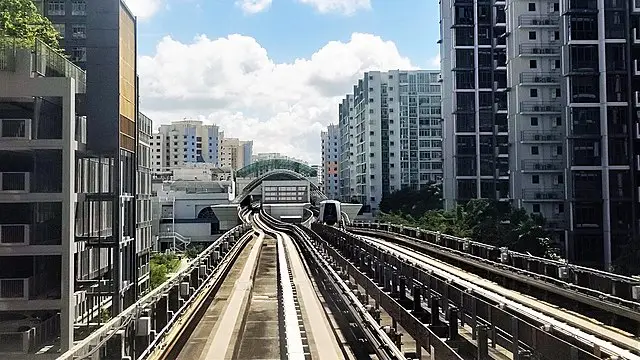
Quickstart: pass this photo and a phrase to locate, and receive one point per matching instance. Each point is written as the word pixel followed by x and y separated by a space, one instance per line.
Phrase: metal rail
pixel 505 324
pixel 606 291
pixel 381 343
pixel 180 291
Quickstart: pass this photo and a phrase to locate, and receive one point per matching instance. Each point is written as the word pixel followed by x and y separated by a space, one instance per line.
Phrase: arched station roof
pixel 262 167
pixel 280 174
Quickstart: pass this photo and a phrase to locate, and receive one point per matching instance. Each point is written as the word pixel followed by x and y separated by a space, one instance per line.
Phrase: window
pixel 556 7
pixel 532 6
pixel 535 150
pixel 60 29
pixel 79 7
pixel 533 93
pixel 533 64
pixel 80 54
pixel 56 7
pixel 534 121
pixel 556 35
pixel 558 121
pixel 536 208
pixel 79 31
pixel 532 35
pixel 535 179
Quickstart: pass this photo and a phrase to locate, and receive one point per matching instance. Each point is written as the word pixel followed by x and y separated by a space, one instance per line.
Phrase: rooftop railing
pixel 50 63
pixel 7 55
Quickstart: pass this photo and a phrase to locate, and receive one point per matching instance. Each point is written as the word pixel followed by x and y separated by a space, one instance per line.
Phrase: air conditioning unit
pixel 14 234
pixel 14 182
pixel 15 129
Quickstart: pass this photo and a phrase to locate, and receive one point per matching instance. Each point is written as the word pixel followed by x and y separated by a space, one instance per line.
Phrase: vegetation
pixel 161 266
pixel 20 20
pixel 193 251
pixel 486 221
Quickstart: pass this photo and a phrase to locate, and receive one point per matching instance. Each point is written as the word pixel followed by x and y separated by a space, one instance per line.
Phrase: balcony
pixel 538 21
pixel 538 50
pixel 14 234
pixel 583 7
pixel 534 78
pixel 552 194
pixel 18 129
pixel 542 165
pixel 556 223
pixel 14 182
pixel 527 107
pixel 541 136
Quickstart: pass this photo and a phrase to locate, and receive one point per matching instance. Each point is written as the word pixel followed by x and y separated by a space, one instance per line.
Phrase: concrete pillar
pixel 483 342
pixel 417 299
pixel 435 310
pixel 402 284
pixel 174 296
pixel 453 323
pixel 160 312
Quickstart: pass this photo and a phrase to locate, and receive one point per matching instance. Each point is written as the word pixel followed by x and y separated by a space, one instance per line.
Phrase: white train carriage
pixel 330 213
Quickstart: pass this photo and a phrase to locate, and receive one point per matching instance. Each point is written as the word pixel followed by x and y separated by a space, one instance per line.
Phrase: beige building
pixel 234 153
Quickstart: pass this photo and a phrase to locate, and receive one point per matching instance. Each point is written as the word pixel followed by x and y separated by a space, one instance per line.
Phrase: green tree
pixel 160 266
pixel 413 202
pixel 20 19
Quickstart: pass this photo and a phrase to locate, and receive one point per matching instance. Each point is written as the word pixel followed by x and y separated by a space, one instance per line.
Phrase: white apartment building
pixel 330 142
pixel 391 134
pixel 186 141
pixel 234 153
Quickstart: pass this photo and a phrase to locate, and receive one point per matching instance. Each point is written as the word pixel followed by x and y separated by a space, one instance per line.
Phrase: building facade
pixel 568 149
pixel 183 142
pixel 395 120
pixel 474 72
pixel 235 153
pixel 330 141
pixel 42 137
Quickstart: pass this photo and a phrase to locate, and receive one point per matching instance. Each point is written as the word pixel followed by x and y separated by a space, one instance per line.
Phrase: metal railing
pixel 543 194
pixel 539 107
pixel 533 135
pixel 534 20
pixel 539 78
pixel 7 54
pixel 49 62
pixel 542 165
pixel 538 49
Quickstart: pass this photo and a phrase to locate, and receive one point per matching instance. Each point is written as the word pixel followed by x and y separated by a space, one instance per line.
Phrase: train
pixel 330 213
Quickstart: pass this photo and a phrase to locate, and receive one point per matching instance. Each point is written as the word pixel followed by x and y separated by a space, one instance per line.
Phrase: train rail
pixel 583 290
pixel 543 330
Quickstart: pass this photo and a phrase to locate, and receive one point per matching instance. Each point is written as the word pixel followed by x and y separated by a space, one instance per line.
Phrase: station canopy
pixel 259 168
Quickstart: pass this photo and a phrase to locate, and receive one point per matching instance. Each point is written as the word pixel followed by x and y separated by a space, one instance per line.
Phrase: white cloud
pixel 434 62
pixel 346 7
pixel 232 82
pixel 144 9
pixel 253 6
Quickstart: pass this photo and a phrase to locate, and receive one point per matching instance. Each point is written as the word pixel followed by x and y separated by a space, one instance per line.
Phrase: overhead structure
pixel 280 174
pixel 262 167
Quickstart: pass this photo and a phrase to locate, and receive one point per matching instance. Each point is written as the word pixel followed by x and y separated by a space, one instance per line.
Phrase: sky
pixel 273 71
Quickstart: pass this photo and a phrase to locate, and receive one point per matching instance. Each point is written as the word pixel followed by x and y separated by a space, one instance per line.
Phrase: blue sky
pixel 279 81
pixel 290 30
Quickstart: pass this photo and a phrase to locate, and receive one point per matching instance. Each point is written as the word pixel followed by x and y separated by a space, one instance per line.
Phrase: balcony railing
pixel 533 20
pixel 543 194
pixel 542 165
pixel 49 62
pixel 15 341
pixel 539 78
pixel 528 135
pixel 539 107
pixel 7 55
pixel 538 49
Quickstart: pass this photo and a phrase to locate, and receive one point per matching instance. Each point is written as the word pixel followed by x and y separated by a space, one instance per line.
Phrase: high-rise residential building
pixel 474 77
pixel 569 147
pixel 319 175
pixel 144 215
pixel 347 147
pixel 537 131
pixel 43 143
pixel 330 143
pixel 601 50
pixel 234 153
pixel 395 120
pixel 110 253
pixel 187 141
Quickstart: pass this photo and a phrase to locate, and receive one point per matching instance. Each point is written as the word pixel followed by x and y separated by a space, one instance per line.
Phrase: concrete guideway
pixel 323 342
pixel 585 330
pixel 221 344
